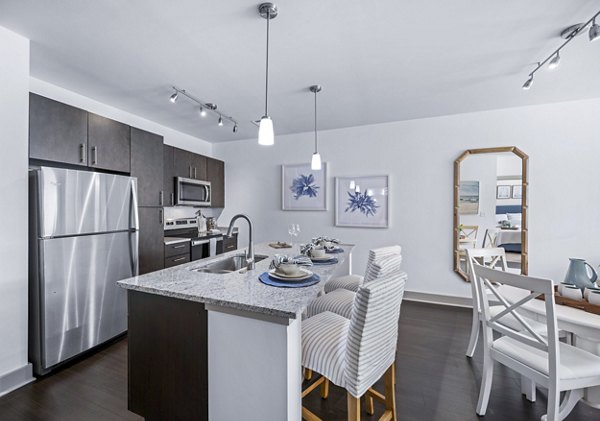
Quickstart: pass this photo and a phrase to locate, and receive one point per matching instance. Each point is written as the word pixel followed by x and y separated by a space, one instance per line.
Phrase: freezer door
pixel 81 202
pixel 82 306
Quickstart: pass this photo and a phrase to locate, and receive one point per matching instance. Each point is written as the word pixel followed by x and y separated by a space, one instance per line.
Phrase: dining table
pixel 584 327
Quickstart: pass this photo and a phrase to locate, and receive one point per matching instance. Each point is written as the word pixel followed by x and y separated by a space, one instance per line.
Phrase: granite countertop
pixel 238 290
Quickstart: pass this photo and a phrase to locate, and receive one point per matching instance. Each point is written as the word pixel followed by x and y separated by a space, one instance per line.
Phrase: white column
pixel 254 366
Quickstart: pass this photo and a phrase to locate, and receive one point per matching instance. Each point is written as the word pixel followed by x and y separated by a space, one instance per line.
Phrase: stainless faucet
pixel 250 252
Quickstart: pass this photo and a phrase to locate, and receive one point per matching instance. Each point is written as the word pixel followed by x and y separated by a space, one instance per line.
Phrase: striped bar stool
pixel 354 353
pixel 340 300
pixel 352 282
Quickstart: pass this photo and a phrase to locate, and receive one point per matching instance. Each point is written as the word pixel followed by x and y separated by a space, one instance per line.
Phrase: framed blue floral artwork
pixel 362 201
pixel 303 188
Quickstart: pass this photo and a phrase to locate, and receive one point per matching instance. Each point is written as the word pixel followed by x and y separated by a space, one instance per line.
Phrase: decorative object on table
pixel 326 242
pixel 517 191
pixel 366 205
pixel 581 274
pixel 266 279
pixel 303 188
pixel 588 291
pixel 579 304
pixel 503 192
pixel 468 197
pixel 280 245
pixel 594 299
pixel 211 223
pixel 572 293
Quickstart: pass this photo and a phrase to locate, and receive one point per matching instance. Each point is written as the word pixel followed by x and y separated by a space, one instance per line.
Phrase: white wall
pixel 171 137
pixel 14 106
pixel 561 140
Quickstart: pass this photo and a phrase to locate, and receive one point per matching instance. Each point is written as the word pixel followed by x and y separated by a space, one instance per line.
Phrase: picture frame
pixel 503 191
pixel 303 189
pixel 468 197
pixel 517 191
pixel 362 202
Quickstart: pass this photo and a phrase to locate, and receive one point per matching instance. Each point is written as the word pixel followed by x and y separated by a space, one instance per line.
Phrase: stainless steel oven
pixel 192 192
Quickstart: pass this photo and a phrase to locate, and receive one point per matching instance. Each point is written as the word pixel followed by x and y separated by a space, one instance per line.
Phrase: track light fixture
pixel 204 107
pixel 265 129
pixel 315 163
pixel 594 31
pixel 569 34
pixel 554 62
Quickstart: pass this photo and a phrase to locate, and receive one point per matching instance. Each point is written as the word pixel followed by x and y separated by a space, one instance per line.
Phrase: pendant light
pixel 265 128
pixel 315 163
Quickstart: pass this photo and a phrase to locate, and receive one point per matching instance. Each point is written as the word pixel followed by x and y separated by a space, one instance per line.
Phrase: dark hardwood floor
pixel 435 381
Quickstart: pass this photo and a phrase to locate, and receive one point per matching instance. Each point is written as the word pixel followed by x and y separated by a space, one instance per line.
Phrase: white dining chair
pixel 489 240
pixel 340 300
pixel 557 366
pixel 354 353
pixel 352 282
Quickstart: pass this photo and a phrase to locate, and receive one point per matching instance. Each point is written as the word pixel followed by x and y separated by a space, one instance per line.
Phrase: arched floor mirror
pixel 490 204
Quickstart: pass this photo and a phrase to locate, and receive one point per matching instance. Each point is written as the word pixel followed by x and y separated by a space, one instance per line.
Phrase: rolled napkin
pixel 283 258
pixel 306 248
pixel 321 241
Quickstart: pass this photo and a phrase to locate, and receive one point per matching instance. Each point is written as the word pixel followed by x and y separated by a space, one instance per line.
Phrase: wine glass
pixel 292 233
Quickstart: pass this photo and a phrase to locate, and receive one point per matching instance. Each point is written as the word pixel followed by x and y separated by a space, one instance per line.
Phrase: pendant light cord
pixel 267 67
pixel 316 142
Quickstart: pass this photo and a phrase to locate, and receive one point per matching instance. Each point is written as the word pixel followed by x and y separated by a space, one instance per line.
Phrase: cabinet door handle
pixel 190 171
pixel 94 155
pixel 82 153
pixel 172 199
pixel 160 216
pixel 195 174
pixel 161 198
pixel 179 259
pixel 179 247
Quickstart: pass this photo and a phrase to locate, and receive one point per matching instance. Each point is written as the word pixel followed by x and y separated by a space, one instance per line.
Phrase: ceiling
pixel 378 61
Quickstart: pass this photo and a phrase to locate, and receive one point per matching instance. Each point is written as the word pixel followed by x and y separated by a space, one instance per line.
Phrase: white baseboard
pixel 16 379
pixel 446 300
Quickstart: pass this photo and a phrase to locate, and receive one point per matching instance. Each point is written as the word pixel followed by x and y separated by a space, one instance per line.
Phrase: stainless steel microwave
pixel 192 192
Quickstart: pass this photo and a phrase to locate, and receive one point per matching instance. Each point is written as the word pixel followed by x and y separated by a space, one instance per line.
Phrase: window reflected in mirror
pixel 490 205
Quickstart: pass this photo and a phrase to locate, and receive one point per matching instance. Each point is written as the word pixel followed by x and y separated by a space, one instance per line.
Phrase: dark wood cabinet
pixel 108 144
pixel 57 131
pixel 188 164
pixel 169 175
pixel 167 357
pixel 215 173
pixel 151 244
pixel 147 166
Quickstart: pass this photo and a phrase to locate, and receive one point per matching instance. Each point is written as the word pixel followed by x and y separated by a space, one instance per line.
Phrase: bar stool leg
pixel 353 408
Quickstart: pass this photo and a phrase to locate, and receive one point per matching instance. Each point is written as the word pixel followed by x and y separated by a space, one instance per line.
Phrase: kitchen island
pixel 218 346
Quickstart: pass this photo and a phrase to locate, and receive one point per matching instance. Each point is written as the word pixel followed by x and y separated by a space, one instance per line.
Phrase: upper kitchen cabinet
pixel 215 173
pixel 168 175
pixel 147 166
pixel 188 164
pixel 108 144
pixel 57 132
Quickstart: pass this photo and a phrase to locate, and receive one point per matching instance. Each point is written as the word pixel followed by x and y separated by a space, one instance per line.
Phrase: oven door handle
pixel 199 242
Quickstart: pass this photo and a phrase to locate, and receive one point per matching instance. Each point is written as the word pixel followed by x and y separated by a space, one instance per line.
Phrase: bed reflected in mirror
pixel 490 205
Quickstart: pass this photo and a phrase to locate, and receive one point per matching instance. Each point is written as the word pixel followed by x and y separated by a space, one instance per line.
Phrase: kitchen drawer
pixel 177 249
pixel 176 260
pixel 227 244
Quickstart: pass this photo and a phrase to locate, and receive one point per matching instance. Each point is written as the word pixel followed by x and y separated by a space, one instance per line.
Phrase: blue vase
pixel 578 274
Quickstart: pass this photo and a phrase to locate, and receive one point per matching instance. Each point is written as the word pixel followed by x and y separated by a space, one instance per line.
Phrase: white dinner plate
pixel 322 259
pixel 305 274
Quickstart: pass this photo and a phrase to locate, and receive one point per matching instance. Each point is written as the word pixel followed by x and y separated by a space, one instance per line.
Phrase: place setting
pixel 330 245
pixel 289 272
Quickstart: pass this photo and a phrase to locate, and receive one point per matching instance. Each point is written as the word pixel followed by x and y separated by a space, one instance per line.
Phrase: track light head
pixel 554 62
pixel 594 31
pixel 174 97
pixel 528 83
pixel 220 121
pixel 235 128
pixel 202 112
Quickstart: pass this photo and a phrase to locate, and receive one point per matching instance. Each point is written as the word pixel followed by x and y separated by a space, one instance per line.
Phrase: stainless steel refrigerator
pixel 83 239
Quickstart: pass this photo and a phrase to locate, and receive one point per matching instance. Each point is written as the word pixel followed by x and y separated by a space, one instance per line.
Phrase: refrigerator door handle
pixel 134 217
pixel 133 250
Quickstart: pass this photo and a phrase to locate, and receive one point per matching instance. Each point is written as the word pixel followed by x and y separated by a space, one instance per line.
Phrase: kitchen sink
pixel 228 265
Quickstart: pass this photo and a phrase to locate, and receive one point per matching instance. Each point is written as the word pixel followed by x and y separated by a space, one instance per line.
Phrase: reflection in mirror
pixel 490 205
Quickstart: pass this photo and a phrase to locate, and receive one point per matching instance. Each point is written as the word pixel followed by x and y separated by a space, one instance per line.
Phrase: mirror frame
pixel 524 204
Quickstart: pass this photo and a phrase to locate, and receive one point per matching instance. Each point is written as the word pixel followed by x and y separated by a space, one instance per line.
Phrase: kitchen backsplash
pixel 176 212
